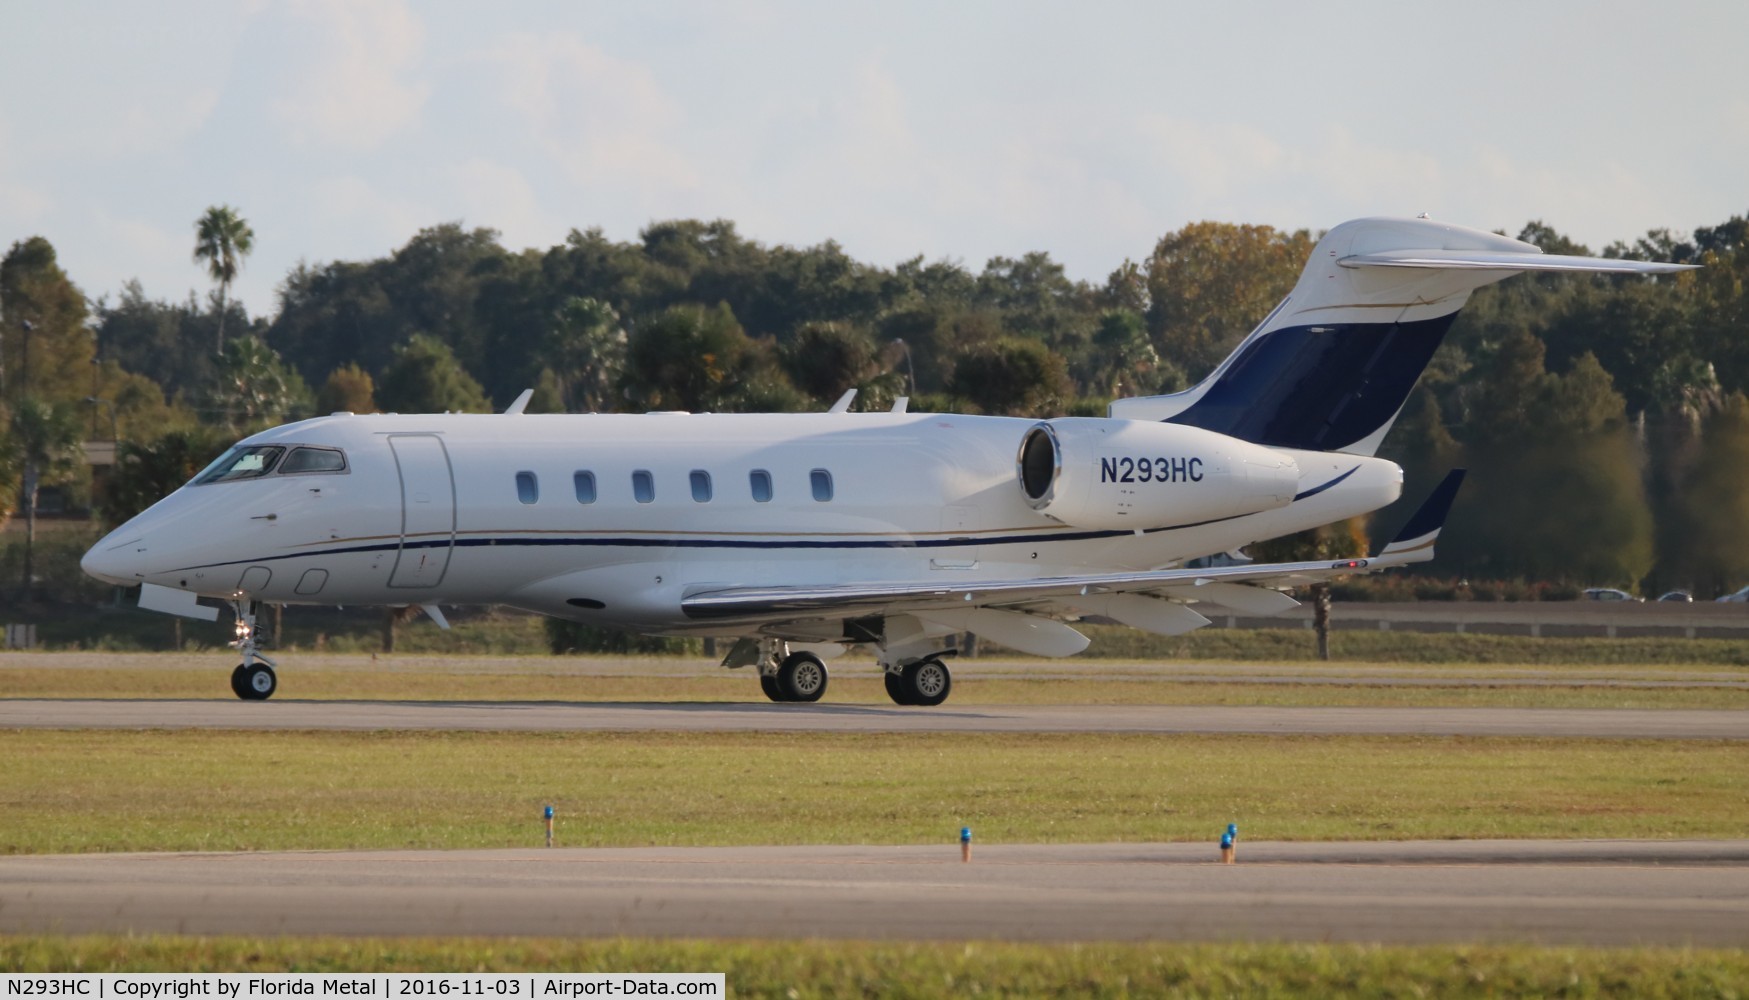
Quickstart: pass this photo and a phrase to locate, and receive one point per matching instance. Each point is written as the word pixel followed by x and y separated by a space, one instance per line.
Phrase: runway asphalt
pixel 1572 892
pixel 1549 892
pixel 228 713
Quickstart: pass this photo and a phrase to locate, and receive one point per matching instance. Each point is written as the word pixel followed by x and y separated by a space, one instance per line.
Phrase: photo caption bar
pixel 381 986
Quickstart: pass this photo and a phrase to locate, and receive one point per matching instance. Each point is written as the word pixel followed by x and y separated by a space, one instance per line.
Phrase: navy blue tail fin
pixel 1331 367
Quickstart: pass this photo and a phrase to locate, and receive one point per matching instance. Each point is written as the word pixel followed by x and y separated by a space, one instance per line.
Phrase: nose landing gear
pixel 254 679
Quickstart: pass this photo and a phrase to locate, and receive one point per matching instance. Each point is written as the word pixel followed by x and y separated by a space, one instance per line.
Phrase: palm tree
pixel 252 386
pixel 588 349
pixel 222 239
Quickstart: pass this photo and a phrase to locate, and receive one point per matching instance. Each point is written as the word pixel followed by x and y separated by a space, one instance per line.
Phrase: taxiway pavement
pixel 229 713
pixel 1552 892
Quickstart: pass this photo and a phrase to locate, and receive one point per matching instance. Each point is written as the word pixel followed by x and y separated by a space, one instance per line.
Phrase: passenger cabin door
pixel 427 510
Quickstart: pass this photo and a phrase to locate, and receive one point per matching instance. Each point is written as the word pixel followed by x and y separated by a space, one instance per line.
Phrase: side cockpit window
pixel 241 462
pixel 314 460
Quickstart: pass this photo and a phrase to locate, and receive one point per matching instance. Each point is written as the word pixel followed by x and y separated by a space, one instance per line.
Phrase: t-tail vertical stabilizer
pixel 1330 368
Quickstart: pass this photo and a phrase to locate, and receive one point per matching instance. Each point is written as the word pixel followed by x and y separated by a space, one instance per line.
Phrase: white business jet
pixel 806 534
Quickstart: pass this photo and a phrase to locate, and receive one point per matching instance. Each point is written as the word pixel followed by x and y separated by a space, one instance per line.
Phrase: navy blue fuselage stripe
pixel 1296 388
pixel 739 543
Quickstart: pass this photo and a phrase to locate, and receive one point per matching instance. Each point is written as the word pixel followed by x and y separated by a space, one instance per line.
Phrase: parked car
pixel 1611 594
pixel 1739 597
pixel 1679 596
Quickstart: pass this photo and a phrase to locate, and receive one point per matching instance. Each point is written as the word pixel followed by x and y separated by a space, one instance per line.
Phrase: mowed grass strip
pixel 81 791
pixel 1288 645
pixel 807 969
pixel 532 683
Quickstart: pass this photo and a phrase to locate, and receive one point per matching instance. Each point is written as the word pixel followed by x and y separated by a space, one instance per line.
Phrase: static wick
pixel 549 826
pixel 1229 853
pixel 965 843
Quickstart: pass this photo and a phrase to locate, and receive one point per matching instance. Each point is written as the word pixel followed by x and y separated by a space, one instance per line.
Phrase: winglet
pixel 1423 529
pixel 521 402
pixel 844 401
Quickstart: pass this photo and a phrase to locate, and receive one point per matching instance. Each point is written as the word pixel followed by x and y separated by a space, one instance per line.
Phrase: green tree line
pixel 1605 420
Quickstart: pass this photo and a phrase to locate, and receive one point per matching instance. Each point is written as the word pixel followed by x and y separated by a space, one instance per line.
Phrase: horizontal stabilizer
pixel 1496 260
pixel 1423 528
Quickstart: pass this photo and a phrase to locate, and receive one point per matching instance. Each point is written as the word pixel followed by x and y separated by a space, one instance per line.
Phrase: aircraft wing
pixel 1126 597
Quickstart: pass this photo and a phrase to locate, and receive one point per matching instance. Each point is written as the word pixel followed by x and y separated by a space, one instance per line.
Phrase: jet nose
pixel 114 562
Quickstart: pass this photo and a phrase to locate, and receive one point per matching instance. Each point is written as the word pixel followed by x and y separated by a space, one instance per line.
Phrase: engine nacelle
pixel 1096 472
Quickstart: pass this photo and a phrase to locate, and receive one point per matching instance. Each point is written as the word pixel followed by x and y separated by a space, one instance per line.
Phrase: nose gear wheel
pixel 254 679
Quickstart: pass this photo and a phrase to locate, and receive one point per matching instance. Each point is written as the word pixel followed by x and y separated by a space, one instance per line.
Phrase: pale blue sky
pixel 340 127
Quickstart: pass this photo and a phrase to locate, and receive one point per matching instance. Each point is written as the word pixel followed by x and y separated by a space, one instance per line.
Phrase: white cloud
pixel 841 160
pixel 1238 172
pixel 492 194
pixel 1607 198
pixel 354 205
pixel 1211 162
pixel 357 93
pixel 21 205
pixel 154 118
pixel 603 119
pixel 120 247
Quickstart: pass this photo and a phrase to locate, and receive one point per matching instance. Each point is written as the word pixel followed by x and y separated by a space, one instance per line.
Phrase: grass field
pixel 807 969
pixel 78 791
pixel 977 682
pixel 84 791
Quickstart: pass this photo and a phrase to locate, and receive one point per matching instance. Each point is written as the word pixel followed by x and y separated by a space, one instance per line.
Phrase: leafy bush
pixel 573 637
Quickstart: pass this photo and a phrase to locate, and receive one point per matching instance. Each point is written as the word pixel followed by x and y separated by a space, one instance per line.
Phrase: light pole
pixel 910 372
pixel 24 360
pixel 93 400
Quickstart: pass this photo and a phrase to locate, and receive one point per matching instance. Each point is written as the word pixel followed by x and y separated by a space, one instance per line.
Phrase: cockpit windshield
pixel 255 461
pixel 241 462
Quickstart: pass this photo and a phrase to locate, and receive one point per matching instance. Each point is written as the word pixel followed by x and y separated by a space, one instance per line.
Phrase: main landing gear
pixel 796 676
pixel 925 682
pixel 254 679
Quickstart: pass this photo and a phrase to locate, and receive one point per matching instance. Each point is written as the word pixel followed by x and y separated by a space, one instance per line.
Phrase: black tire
pixel 237 687
pixel 259 683
pixel 896 688
pixel 928 682
pixel 802 677
pixel 768 684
